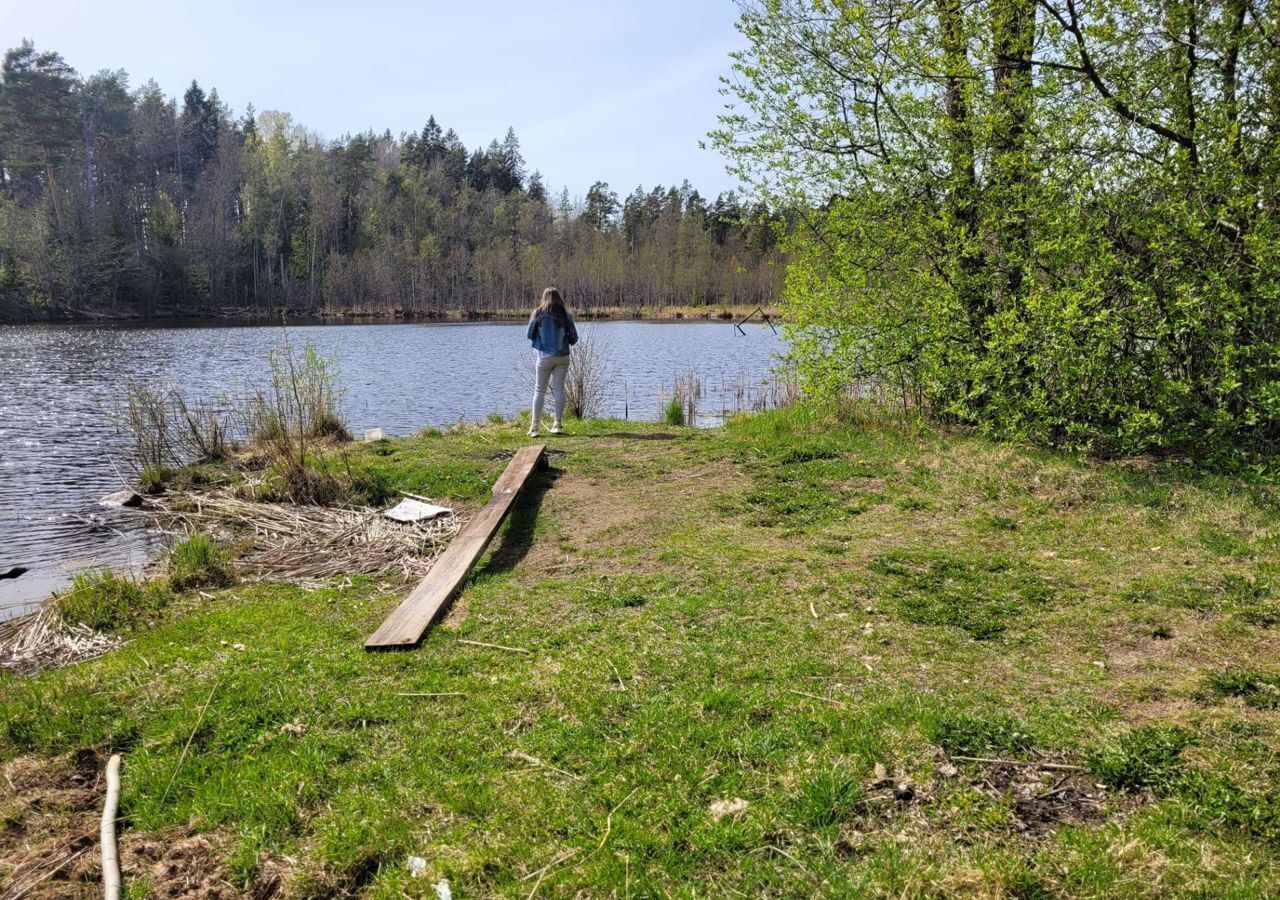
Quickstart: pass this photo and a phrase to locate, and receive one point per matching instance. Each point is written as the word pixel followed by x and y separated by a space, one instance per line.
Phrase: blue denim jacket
pixel 548 338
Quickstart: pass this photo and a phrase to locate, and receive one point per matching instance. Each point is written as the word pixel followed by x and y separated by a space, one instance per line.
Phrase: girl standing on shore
pixel 552 333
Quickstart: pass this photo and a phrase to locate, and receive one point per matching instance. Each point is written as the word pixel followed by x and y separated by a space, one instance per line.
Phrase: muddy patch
pixel 177 864
pixel 1040 800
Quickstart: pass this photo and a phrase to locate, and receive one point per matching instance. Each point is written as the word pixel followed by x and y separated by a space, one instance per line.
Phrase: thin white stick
pixel 494 646
pixel 110 852
pixel 621 686
pixel 831 700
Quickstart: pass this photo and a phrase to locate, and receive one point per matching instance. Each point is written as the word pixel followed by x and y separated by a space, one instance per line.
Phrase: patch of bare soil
pixel 590 514
pixel 1152 676
pixel 1071 798
pixel 49 838
pixel 1040 800
pixel 48 845
pixel 177 864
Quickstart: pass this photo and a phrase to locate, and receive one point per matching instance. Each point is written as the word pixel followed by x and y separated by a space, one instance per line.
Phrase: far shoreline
pixel 730 313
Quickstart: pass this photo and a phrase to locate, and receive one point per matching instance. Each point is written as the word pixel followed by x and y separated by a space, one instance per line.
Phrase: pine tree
pixel 510 169
pixel 537 190
pixel 199 132
pixel 601 206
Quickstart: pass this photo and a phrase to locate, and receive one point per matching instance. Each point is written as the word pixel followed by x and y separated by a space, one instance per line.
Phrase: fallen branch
pixel 622 687
pixel 608 822
pixel 1048 766
pixel 187 746
pixel 110 852
pixel 560 857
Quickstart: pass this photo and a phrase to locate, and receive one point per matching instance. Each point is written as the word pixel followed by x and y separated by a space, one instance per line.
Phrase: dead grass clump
pixel 587 383
pixel 47 848
pixel 312 543
pixel 168 431
pixel 43 640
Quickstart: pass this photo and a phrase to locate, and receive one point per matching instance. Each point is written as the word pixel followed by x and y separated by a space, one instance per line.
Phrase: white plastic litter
pixel 410 510
pixel 442 890
pixel 721 808
pixel 417 866
pixel 372 434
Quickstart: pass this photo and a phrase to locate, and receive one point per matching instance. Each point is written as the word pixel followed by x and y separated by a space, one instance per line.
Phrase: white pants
pixel 553 369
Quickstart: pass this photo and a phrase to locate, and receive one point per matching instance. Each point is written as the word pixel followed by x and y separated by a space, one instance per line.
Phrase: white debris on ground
pixel 411 509
pixel 721 808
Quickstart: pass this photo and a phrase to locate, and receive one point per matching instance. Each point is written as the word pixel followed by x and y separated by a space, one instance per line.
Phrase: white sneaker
pixel 556 429
pixel 533 432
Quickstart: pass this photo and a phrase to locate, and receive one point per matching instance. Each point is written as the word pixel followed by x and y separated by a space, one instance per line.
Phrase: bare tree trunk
pixel 90 176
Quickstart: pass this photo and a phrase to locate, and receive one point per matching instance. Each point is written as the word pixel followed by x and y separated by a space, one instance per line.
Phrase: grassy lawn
pixel 753 654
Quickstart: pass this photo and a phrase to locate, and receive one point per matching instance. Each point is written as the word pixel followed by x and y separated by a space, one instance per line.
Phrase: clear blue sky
pixel 620 90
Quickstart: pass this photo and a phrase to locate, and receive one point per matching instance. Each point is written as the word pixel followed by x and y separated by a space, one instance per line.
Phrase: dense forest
pixel 117 201
pixel 1055 219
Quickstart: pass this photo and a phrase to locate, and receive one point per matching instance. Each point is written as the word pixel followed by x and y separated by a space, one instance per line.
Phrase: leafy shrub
pixel 196 561
pixel 1003 295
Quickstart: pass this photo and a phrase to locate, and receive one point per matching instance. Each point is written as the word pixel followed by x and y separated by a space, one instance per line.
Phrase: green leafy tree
pixel 1048 219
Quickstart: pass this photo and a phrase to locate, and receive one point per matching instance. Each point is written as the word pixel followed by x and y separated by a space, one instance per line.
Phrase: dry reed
pixel 308 544
pixel 41 640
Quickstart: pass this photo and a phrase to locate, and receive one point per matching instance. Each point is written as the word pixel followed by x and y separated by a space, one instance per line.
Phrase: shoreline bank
pixel 914 660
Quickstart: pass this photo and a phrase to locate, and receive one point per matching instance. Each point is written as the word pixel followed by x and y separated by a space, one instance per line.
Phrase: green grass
pixel 766 613
pixel 673 411
pixel 196 561
pixel 1255 689
pixel 106 601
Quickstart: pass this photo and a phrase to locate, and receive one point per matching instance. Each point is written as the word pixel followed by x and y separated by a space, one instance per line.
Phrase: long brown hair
pixel 553 303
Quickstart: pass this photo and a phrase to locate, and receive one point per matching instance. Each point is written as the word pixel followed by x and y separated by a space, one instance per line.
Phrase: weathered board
pixel 411 619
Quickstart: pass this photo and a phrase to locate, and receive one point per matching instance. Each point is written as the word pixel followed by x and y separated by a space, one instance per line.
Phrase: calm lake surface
pixel 61 387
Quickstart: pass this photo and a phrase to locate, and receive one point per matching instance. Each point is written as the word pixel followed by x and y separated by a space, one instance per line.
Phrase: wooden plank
pixel 411 619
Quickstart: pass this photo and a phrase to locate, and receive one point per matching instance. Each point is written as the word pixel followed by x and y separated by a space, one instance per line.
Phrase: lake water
pixel 61 387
